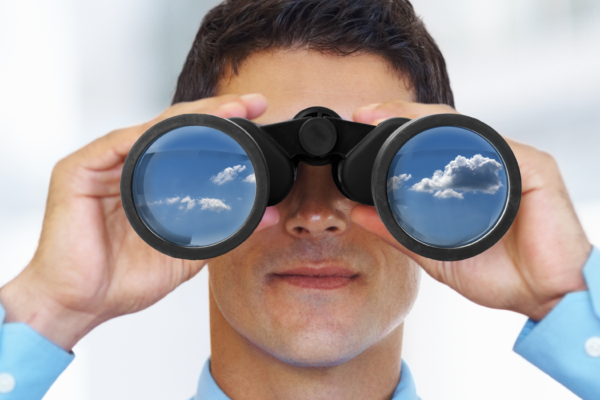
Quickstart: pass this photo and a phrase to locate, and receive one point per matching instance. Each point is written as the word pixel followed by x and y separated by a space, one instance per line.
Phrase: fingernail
pixel 370 107
pixel 252 96
pixel 233 109
pixel 230 106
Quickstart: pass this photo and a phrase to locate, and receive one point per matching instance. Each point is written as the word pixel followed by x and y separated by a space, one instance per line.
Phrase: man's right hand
pixel 90 265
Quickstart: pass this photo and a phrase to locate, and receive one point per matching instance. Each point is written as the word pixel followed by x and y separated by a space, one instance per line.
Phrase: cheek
pixel 400 287
pixel 234 283
pixel 385 299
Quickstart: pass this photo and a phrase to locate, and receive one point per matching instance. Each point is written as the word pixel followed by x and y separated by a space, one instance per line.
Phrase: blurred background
pixel 71 71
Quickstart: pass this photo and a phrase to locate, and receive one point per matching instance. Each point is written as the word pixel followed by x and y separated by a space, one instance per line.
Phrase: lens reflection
pixel 194 186
pixel 447 187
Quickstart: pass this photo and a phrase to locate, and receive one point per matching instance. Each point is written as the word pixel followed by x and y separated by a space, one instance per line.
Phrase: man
pixel 274 333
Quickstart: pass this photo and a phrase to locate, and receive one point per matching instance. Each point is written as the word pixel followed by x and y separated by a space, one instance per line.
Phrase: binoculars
pixel 446 186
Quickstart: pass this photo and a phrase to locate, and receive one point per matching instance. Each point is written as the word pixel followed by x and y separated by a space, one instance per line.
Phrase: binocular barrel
pixel 446 186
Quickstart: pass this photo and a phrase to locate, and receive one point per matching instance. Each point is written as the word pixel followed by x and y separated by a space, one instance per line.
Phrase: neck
pixel 244 371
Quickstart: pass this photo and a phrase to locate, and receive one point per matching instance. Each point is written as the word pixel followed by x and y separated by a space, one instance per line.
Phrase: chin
pixel 313 353
pixel 315 347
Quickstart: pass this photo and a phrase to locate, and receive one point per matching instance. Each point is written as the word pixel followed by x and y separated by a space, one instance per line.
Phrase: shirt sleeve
pixel 29 363
pixel 566 343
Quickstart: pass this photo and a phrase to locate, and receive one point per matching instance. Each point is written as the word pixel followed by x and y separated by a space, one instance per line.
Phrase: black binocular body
pixel 446 186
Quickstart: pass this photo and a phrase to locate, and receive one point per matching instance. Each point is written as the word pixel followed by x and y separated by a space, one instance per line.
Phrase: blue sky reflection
pixel 194 186
pixel 447 187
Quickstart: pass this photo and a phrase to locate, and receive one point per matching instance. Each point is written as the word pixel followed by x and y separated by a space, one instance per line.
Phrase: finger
pixel 106 152
pixel 398 108
pixel 270 218
pixel 538 169
pixel 111 150
pixel 255 103
pixel 249 106
pixel 200 106
pixel 545 193
pixel 378 121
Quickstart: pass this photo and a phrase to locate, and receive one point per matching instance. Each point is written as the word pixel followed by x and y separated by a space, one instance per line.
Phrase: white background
pixel 71 71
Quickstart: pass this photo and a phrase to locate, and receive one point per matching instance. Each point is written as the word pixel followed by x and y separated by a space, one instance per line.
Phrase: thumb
pixel 270 218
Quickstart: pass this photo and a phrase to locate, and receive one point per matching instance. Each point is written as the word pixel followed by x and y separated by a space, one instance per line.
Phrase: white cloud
pixel 250 179
pixel 191 203
pixel 169 201
pixel 475 174
pixel 172 200
pixel 447 193
pixel 187 203
pixel 213 205
pixel 228 174
pixel 396 182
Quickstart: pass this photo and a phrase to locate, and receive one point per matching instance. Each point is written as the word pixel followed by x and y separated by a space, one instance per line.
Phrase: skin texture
pixel 294 328
pixel 270 339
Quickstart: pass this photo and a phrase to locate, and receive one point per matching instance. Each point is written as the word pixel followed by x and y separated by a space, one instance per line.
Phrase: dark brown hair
pixel 234 29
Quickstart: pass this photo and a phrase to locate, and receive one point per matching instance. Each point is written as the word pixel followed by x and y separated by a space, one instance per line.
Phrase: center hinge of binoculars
pixel 318 136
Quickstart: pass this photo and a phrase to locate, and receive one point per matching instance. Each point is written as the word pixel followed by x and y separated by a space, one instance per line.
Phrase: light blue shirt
pixel 565 345
pixel 208 388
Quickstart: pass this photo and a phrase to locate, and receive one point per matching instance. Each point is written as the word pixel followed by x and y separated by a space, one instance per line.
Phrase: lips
pixel 324 278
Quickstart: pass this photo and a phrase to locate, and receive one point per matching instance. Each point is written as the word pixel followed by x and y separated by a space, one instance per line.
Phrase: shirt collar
pixel 209 390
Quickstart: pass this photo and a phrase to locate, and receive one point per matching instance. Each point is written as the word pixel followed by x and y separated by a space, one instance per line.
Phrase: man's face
pixel 315 289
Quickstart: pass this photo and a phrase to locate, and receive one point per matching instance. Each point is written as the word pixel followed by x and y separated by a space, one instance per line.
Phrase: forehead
pixel 293 80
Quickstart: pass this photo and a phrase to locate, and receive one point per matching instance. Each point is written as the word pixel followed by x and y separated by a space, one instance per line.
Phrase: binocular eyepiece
pixel 446 186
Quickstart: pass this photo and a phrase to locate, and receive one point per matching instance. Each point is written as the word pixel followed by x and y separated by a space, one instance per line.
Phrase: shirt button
pixel 7 383
pixel 592 347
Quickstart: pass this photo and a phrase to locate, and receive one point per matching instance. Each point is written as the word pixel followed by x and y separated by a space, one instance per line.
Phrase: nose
pixel 315 208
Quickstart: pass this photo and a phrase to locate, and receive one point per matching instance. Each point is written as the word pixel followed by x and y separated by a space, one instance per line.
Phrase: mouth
pixel 324 278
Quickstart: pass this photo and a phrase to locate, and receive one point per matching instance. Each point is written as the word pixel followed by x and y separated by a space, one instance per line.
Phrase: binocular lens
pixel 447 187
pixel 194 186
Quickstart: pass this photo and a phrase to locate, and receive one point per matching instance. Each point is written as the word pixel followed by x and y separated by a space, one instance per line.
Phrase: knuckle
pixel 547 159
pixel 440 109
pixel 398 106
pixel 546 168
pixel 173 110
pixel 111 134
pixel 61 167
pixel 449 109
pixel 392 109
pixel 58 167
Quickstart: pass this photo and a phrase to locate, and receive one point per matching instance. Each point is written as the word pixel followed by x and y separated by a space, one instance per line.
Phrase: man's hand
pixel 535 264
pixel 90 265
